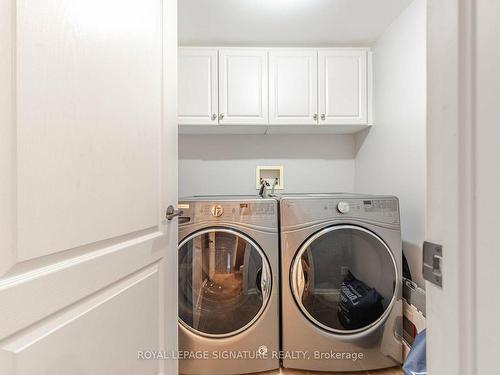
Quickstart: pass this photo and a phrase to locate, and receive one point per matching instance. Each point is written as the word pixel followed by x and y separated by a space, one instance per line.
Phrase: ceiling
pixel 285 22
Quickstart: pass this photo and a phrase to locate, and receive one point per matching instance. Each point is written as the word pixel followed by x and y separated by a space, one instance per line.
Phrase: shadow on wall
pixel 359 139
pixel 237 147
pixel 413 254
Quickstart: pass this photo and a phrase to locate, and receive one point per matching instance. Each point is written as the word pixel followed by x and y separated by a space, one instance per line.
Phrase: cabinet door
pixel 198 91
pixel 343 86
pixel 293 87
pixel 243 86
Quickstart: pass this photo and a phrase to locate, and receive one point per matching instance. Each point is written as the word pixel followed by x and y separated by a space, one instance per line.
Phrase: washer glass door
pixel 224 282
pixel 344 279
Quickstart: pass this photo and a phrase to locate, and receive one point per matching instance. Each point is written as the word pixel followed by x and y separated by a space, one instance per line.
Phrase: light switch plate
pixel 269 173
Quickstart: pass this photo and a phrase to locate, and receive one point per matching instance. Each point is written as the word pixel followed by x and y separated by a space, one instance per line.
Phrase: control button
pixel 217 210
pixel 343 207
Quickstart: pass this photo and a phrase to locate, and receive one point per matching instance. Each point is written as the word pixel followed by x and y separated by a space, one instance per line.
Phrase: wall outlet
pixel 269 174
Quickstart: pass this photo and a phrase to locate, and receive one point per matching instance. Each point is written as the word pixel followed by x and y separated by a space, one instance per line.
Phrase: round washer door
pixel 344 279
pixel 224 282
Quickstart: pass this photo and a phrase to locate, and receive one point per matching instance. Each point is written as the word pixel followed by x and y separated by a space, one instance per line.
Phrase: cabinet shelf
pixel 270 129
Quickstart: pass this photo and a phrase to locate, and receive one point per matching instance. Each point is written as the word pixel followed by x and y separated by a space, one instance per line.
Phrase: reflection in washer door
pixel 224 282
pixel 343 279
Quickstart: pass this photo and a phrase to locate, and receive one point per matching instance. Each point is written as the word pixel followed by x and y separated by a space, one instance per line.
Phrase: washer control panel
pixel 254 212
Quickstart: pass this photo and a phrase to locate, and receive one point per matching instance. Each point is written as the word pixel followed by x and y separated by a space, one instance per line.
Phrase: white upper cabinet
pixel 197 90
pixel 243 86
pixel 288 90
pixel 293 87
pixel 343 86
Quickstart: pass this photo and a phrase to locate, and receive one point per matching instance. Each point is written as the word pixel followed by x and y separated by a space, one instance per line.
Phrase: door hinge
pixel 433 263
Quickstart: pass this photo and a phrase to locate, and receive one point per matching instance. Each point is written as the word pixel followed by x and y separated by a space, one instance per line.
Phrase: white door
pixel 198 86
pixel 463 185
pixel 88 267
pixel 343 86
pixel 293 87
pixel 243 86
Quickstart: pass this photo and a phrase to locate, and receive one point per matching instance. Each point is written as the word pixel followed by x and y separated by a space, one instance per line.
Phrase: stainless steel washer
pixel 228 285
pixel 341 282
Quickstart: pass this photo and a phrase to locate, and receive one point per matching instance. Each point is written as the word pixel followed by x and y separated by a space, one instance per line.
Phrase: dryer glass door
pixel 224 282
pixel 344 279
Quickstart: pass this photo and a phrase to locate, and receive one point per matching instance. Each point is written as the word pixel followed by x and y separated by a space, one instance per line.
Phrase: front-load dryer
pixel 228 285
pixel 341 282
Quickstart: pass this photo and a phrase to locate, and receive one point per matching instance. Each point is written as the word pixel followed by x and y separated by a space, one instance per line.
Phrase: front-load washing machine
pixel 228 285
pixel 341 282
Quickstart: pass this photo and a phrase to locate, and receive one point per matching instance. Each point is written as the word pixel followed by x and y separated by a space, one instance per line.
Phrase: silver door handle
pixel 315 116
pixel 214 117
pixel 221 116
pixel 323 116
pixel 172 212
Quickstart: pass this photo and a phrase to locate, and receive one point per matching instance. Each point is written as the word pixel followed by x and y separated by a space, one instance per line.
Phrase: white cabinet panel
pixel 293 87
pixel 343 86
pixel 243 89
pixel 274 87
pixel 198 88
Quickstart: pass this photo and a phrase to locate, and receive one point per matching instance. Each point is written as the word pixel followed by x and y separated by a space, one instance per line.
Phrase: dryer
pixel 228 285
pixel 341 282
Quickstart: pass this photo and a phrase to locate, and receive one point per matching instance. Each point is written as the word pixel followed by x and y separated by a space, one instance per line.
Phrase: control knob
pixel 217 210
pixel 343 207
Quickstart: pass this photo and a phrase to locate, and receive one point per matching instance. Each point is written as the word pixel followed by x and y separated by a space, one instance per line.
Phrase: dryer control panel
pixel 303 210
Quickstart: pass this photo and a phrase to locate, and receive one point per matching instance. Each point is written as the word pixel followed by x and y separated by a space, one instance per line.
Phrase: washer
pixel 333 247
pixel 228 285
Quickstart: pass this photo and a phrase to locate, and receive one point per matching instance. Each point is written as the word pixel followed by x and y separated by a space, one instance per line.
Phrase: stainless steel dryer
pixel 341 282
pixel 228 285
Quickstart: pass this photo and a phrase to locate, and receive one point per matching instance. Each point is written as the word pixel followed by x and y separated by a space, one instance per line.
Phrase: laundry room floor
pixel 285 371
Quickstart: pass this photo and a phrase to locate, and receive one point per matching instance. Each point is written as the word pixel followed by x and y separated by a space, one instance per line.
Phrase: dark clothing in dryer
pixel 359 304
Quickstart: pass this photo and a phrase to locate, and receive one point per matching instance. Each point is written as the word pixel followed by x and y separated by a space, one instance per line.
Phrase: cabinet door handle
pixel 315 117
pixel 323 117
pixel 214 117
pixel 221 116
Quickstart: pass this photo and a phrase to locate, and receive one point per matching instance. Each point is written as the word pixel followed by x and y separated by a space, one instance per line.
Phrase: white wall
pixel 281 22
pixel 225 164
pixel 391 155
